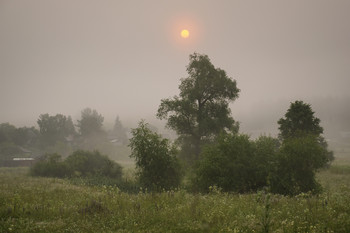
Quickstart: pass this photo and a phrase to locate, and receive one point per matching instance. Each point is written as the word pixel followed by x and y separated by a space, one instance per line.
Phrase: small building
pixel 19 162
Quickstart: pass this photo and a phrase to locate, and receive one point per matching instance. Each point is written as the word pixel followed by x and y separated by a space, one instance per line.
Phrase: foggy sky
pixel 123 57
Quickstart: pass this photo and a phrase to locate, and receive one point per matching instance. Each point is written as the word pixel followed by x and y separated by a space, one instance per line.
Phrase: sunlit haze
pixel 122 57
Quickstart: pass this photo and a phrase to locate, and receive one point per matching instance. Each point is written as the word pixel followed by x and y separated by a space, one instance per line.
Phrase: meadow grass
pixel 31 204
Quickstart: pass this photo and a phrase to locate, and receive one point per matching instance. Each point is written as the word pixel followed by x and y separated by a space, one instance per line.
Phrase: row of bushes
pixel 237 164
pixel 233 163
pixel 79 164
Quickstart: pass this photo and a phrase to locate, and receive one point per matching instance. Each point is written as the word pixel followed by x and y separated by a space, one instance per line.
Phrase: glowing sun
pixel 185 33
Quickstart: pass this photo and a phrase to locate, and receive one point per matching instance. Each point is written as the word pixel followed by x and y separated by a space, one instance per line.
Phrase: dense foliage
pixel 296 164
pixel 299 120
pixel 55 128
pixel 158 168
pixel 50 165
pixel 235 163
pixel 201 111
pixel 90 123
pixel 87 163
pixel 22 136
pixel 302 153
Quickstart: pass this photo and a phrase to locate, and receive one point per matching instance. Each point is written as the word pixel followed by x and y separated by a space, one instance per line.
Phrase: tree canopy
pixel 299 120
pixel 201 111
pixel 91 122
pixel 55 128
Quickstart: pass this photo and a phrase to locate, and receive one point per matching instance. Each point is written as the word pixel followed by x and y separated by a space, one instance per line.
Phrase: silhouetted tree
pixel 299 120
pixel 302 153
pixel 201 111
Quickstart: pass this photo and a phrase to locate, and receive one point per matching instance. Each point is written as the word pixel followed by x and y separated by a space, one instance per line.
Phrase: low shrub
pixel 80 163
pixel 85 163
pixel 50 165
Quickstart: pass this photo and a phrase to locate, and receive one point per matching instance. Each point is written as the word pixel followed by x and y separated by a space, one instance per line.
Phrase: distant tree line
pixel 58 134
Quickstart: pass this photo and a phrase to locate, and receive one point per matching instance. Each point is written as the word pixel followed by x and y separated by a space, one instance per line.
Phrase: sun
pixel 185 33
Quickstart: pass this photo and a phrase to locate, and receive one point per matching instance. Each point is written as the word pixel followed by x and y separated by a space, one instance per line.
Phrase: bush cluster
pixel 237 164
pixel 79 163
pixel 50 165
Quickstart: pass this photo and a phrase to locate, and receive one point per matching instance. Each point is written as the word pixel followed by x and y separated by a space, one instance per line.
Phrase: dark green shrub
pixel 86 163
pixel 80 163
pixel 296 165
pixel 50 165
pixel 266 149
pixel 234 163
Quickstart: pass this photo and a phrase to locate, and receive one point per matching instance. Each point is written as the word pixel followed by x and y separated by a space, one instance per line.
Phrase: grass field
pixel 29 204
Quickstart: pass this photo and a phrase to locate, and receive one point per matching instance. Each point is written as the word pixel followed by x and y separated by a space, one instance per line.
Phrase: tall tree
pixel 91 122
pixel 55 128
pixel 201 111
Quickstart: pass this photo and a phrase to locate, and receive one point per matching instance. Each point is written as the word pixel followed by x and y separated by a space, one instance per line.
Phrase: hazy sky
pixel 123 57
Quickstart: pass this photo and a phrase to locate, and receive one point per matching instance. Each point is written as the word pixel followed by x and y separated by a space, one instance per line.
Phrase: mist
pixel 121 58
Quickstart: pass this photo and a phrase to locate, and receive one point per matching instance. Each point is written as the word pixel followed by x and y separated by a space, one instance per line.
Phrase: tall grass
pixel 30 204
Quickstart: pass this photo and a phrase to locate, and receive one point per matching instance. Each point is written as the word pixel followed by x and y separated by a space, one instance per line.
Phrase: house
pixel 19 162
